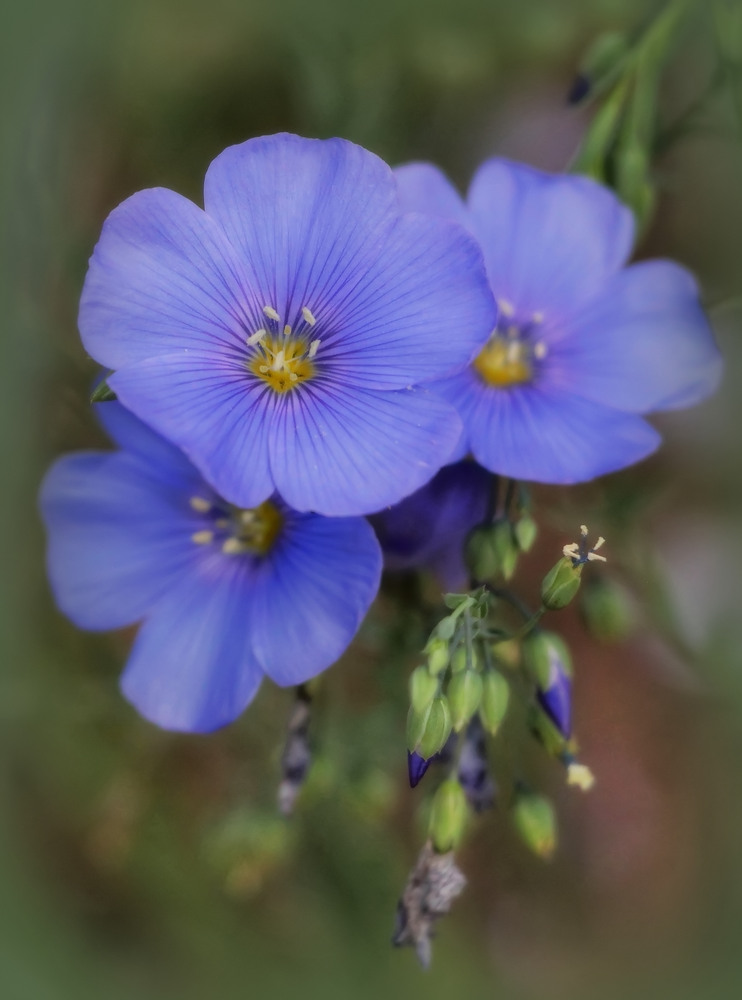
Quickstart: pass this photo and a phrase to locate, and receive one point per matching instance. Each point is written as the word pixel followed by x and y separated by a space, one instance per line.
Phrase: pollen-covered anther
pixel 257 338
pixel 202 537
pixel 233 547
pixel 506 308
pixel 313 348
pixel 200 504
pixel 580 552
pixel 271 313
pixel 580 776
pixel 308 315
pixel 539 350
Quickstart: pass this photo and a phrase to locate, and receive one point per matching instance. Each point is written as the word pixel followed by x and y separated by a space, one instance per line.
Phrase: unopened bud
pixel 549 664
pixel 506 548
pixel 423 688
pixel 525 530
pixel 437 650
pixel 494 703
pixel 448 816
pixel 605 610
pixel 416 767
pixel 464 695
pixel 560 584
pixel 535 821
pixel 480 554
pixel 437 729
pixel 462 659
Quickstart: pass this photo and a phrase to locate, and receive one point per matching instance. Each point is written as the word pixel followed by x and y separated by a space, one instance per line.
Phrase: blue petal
pixel 163 278
pixel 351 452
pixel 541 434
pixel 311 595
pixel 397 300
pixel 192 667
pixel 416 767
pixel 136 438
pixel 643 344
pixel 211 410
pixel 429 527
pixel 424 188
pixel 549 241
pixel 118 533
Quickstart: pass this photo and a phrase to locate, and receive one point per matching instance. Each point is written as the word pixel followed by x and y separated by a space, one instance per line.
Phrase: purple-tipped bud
pixel 416 767
pixel 556 699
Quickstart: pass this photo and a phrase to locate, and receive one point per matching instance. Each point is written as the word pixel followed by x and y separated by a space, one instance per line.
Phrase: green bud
pixel 464 695
pixel 494 703
pixel 416 723
pixel 525 531
pixel 605 610
pixel 506 548
pixel 547 733
pixel 446 627
pixel 535 821
pixel 480 554
pixel 540 649
pixel 437 729
pixel 448 816
pixel 437 650
pixel 460 660
pixel 604 56
pixel 560 584
pixel 423 688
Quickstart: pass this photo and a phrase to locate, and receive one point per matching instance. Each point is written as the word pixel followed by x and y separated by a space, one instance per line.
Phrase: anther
pixel 287 331
pixel 271 313
pixel 293 377
pixel 202 537
pixel 506 308
pixel 580 776
pixel 264 369
pixel 278 361
pixel 539 350
pixel 257 337
pixel 314 347
pixel 232 547
pixel 308 315
pixel 200 504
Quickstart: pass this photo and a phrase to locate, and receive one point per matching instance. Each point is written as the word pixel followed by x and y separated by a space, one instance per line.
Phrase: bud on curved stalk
pixel 462 660
pixel 423 688
pixel 437 650
pixel 448 816
pixel 464 695
pixel 491 549
pixel 494 703
pixel 437 728
pixel 600 67
pixel 535 820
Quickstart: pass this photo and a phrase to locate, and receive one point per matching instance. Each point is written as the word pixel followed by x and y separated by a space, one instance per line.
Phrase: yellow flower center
pixel 503 362
pixel 280 357
pixel 237 530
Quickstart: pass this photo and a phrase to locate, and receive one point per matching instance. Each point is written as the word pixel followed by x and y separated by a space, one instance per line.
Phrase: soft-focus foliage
pixel 137 862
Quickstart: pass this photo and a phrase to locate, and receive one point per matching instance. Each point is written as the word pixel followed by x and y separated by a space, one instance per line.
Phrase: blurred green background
pixel 138 863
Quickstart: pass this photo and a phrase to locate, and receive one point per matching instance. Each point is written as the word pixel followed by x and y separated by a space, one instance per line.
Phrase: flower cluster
pixel 312 347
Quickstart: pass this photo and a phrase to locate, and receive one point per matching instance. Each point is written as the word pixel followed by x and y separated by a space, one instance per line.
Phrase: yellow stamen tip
pixel 271 313
pixel 202 537
pixel 200 504
pixel 580 776
pixel 308 315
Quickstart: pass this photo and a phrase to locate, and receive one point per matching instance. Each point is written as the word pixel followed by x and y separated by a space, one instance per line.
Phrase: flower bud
pixel 464 695
pixel 560 584
pixel 525 531
pixel 462 660
pixel 506 548
pixel 416 767
pixel 605 610
pixel 437 650
pixel 535 821
pixel 480 553
pixel 437 729
pixel 448 816
pixel 494 703
pixel 548 662
pixel 423 688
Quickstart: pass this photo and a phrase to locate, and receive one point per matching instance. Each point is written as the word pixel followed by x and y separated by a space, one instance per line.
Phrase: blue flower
pixel 428 529
pixel 277 336
pixel 584 345
pixel 226 595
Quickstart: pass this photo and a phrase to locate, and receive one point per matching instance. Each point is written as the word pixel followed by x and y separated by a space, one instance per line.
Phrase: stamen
pixel 594 557
pixel 287 331
pixel 232 547
pixel 506 308
pixel 200 504
pixel 583 530
pixel 271 313
pixel 257 338
pixel 202 537
pixel 580 776
pixel 571 551
pixel 313 348
pixel 600 542
pixel 514 351
pixel 264 369
pixel 293 377
pixel 308 315
pixel 278 361
pixel 539 350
